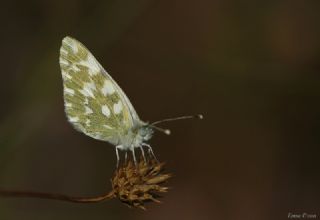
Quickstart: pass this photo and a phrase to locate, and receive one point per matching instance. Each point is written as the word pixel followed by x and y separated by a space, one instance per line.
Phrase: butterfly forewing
pixel 94 103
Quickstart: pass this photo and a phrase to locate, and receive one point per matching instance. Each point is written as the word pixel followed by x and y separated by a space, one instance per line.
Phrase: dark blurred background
pixel 250 67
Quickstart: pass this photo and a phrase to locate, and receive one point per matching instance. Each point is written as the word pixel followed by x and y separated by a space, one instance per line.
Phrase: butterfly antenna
pixel 178 118
pixel 166 131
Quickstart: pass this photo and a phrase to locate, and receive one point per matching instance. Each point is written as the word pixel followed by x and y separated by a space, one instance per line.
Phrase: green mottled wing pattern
pixel 94 103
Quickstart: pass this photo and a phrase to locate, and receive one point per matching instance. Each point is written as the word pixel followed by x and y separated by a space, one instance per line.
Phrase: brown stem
pixel 61 197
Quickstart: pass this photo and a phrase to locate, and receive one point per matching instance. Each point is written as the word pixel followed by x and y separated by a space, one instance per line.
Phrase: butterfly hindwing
pixel 94 103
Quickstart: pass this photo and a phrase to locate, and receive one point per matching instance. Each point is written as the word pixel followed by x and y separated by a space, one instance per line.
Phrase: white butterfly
pixel 96 105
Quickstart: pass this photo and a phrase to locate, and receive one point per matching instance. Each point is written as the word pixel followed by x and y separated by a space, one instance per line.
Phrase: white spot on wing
pixel 88 110
pixel 92 64
pixel 69 91
pixel 74 47
pixel 105 110
pixel 68 104
pixel 73 119
pixel 71 43
pixel 107 88
pixel 88 89
pixel 63 51
pixel 63 61
pixel 88 122
pixel 117 108
pixel 74 68
pixel 86 92
pixel 90 85
pixel 65 75
pixel 107 126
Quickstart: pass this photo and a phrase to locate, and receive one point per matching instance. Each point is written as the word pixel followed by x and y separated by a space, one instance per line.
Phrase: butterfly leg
pixel 142 152
pixel 134 156
pixel 126 157
pixel 117 153
pixel 150 151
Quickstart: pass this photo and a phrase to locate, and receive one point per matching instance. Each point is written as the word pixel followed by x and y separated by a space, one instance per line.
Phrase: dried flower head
pixel 136 185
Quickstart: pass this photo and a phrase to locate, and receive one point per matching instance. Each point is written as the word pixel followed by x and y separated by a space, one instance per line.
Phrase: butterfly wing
pixel 94 103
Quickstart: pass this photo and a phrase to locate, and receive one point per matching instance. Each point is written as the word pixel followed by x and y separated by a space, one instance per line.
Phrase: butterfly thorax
pixel 135 137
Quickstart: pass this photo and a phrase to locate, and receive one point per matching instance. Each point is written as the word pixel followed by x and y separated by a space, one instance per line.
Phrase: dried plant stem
pixel 54 196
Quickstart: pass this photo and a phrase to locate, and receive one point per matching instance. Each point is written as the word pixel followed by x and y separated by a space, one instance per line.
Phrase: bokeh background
pixel 250 67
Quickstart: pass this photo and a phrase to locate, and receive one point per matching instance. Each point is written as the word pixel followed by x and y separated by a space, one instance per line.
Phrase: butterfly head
pixel 137 136
pixel 145 132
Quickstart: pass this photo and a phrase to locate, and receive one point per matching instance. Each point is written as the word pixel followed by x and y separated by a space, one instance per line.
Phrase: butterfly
pixel 96 105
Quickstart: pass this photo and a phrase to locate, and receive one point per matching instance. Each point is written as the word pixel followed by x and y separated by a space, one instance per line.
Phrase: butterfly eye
pixel 146 133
